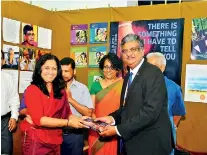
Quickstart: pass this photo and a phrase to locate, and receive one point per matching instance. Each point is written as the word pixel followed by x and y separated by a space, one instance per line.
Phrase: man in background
pixel 9 110
pixel 80 104
pixel 28 33
pixel 176 105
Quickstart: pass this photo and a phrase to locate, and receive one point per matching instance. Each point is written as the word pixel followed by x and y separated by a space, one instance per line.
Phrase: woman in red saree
pixel 106 98
pixel 47 110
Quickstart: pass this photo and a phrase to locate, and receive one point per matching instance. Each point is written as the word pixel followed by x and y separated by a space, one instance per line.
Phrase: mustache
pixel 129 57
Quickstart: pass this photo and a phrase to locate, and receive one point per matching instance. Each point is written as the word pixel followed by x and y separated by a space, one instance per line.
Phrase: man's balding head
pixel 157 59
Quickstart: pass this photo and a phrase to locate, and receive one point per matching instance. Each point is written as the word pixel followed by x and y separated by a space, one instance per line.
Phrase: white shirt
pixel 31 65
pixel 9 96
pixel 134 71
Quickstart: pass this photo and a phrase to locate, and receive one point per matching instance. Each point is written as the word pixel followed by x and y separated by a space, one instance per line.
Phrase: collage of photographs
pixel 23 45
pixel 88 46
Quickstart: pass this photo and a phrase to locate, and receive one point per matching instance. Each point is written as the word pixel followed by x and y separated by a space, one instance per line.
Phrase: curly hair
pixel 58 83
pixel 116 62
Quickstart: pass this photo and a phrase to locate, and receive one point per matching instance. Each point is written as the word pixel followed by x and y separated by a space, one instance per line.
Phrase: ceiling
pixel 60 5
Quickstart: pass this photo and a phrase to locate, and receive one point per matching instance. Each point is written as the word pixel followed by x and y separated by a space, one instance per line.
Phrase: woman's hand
pixel 28 119
pixel 76 122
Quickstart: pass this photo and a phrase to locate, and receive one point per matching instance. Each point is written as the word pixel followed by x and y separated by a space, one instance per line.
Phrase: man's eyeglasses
pixel 132 50
pixel 30 34
pixel 108 68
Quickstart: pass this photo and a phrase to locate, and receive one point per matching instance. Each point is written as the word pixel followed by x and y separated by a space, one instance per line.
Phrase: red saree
pixel 106 102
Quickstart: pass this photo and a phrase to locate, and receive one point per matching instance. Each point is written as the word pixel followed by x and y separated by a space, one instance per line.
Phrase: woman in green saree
pixel 106 98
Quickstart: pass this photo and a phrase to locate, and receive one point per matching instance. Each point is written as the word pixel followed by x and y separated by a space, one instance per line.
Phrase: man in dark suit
pixel 142 121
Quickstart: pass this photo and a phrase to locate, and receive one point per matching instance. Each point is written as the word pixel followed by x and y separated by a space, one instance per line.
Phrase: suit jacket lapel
pixel 124 88
pixel 136 78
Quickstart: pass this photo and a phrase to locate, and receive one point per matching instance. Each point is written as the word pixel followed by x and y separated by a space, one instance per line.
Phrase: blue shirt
pixel 79 92
pixel 176 105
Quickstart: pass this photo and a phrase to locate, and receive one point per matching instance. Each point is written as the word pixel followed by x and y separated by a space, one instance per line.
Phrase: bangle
pixel 68 123
pixel 61 122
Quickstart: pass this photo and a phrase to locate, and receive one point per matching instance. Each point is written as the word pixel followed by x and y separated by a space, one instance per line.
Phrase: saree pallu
pixel 106 102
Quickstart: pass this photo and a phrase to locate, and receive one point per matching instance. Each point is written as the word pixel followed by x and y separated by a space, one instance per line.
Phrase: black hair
pixel 97 30
pixel 116 62
pixel 58 83
pixel 77 34
pixel 85 33
pixel 84 54
pixel 68 61
pixel 2 55
pixel 98 53
pixel 27 28
pixel 86 37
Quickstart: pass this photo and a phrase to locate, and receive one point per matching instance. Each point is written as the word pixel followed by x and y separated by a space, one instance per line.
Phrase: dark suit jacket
pixel 144 122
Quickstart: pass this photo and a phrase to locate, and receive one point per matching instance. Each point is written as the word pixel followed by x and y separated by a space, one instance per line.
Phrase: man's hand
pixel 69 95
pixel 76 122
pixel 107 119
pixel 108 131
pixel 12 124
pixel 88 121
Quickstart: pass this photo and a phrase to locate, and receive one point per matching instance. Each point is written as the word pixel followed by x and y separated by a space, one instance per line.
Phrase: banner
pixel 163 36
pixel 199 39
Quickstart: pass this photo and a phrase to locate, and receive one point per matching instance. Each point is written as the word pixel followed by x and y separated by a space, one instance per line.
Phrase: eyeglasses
pixel 108 68
pixel 132 50
pixel 30 34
